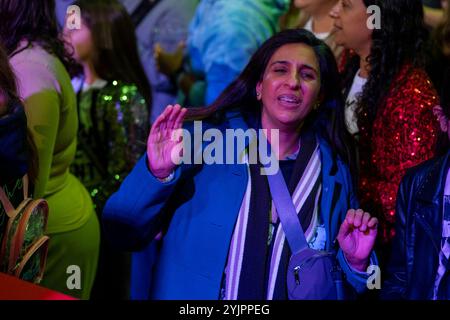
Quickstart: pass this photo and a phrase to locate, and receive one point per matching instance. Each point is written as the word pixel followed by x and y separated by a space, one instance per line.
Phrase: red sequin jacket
pixel 403 135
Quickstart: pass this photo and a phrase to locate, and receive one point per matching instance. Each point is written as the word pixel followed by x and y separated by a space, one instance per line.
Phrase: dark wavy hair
pixel 401 39
pixel 116 55
pixel 8 85
pixel 327 120
pixel 8 91
pixel 33 21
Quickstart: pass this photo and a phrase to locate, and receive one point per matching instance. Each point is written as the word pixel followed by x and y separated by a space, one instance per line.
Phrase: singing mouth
pixel 290 99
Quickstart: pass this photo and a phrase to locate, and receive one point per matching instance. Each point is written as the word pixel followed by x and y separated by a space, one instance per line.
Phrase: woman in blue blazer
pixel 204 190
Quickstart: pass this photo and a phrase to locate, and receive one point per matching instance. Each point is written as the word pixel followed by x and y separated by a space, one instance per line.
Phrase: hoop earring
pixel 258 95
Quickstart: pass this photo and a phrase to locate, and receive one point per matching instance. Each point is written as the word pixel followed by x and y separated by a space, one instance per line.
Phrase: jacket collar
pixel 333 184
pixel 329 161
pixel 332 178
pixel 428 199
pixel 431 193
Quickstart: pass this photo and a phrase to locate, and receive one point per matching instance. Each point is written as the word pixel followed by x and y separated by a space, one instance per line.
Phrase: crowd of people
pixel 97 105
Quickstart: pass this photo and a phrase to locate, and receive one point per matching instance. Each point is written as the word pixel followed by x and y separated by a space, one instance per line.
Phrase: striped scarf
pixel 258 254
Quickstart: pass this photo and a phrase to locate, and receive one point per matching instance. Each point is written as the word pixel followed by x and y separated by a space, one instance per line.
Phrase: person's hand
pixel 441 118
pixel 164 141
pixel 357 236
pixel 169 63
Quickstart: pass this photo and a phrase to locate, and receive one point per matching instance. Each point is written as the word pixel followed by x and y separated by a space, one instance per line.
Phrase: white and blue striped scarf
pixel 307 187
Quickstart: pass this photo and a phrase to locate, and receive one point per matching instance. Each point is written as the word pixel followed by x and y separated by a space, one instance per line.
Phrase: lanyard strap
pixel 287 213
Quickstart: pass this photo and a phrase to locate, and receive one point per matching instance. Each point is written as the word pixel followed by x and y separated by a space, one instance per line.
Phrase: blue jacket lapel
pixel 332 188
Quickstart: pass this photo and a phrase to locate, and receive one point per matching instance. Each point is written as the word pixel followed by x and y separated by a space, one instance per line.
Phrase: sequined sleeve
pixel 127 118
pixel 404 135
pixel 133 123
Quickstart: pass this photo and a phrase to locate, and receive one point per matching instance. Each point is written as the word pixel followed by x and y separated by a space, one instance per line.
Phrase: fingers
pixel 178 123
pixel 347 225
pixel 155 129
pixel 173 116
pixel 358 219
pixel 437 111
pixel 180 118
pixel 441 118
pixel 160 126
pixel 157 126
pixel 344 229
pixel 372 227
pixel 162 117
pixel 350 216
pixel 365 219
pixel 171 119
pixel 373 223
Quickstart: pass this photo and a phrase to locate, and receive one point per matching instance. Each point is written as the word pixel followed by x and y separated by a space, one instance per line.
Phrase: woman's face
pixel 290 87
pixel 81 41
pixel 350 23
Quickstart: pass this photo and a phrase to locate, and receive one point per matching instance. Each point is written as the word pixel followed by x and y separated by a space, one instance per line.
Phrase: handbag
pixel 24 247
pixel 311 274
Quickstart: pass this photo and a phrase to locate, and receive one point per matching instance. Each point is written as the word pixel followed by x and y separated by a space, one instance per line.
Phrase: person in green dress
pixel 114 96
pixel 38 58
pixel 114 99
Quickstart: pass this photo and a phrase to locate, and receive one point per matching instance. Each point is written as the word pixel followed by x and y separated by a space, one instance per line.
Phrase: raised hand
pixel 357 236
pixel 441 118
pixel 164 140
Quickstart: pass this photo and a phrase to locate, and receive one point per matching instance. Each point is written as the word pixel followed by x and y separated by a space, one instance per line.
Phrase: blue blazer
pixel 200 207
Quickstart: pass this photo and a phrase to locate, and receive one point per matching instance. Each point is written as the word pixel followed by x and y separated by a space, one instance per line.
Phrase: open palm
pixel 164 141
